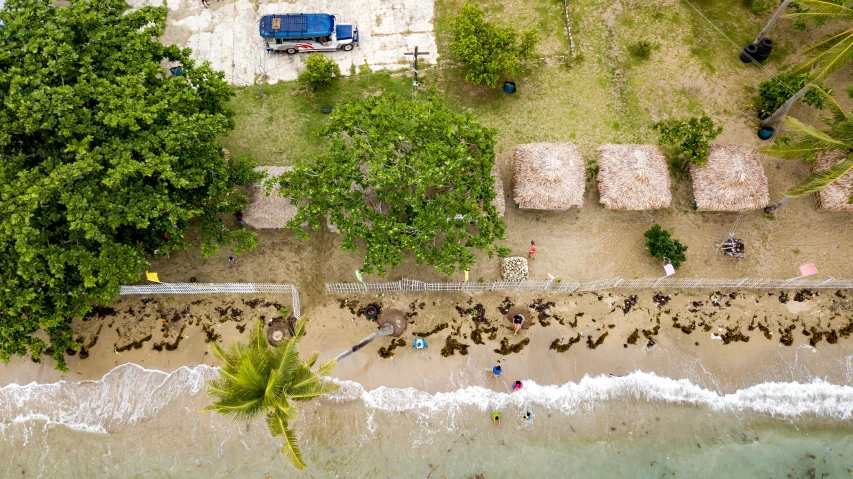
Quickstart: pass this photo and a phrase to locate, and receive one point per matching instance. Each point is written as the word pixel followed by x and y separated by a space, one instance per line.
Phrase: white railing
pixel 603 284
pixel 209 288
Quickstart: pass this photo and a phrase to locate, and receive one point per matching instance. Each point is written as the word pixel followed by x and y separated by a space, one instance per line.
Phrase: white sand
pixel 226 34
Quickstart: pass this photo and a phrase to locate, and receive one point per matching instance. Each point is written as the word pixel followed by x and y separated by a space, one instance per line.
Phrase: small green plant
pixel 283 311
pixel 686 141
pixel 661 246
pixel 591 170
pixel 641 50
pixel 319 71
pixel 488 50
pixel 758 6
pixel 773 93
pixel 796 250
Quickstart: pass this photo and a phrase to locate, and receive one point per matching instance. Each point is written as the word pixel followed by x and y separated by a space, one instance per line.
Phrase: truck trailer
pixel 306 32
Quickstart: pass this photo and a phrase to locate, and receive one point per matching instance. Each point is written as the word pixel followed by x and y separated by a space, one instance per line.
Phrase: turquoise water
pixel 142 423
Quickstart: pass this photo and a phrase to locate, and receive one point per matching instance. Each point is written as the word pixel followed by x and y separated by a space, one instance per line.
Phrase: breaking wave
pixel 131 393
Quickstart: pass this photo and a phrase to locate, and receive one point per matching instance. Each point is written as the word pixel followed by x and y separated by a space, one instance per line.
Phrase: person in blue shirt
pixel 497 370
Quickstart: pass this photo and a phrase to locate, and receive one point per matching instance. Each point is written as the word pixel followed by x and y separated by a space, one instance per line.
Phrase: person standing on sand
pixel 517 321
pixel 527 416
pixel 232 262
pixel 532 252
pixel 497 369
pixel 496 419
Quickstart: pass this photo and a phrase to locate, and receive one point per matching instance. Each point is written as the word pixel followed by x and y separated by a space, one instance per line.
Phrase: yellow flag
pixel 358 275
pixel 466 274
pixel 151 276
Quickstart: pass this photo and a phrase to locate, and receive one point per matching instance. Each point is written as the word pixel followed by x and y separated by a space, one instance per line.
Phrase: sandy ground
pixel 725 342
pixel 226 34
pixel 577 245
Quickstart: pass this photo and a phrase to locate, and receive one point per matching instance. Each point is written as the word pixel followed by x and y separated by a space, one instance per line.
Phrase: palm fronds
pixel 256 378
pixel 837 139
pixel 832 53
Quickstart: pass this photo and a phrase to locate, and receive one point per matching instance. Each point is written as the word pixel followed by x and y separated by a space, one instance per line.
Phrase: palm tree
pixel 773 20
pixel 257 378
pixel 838 136
pixel 828 55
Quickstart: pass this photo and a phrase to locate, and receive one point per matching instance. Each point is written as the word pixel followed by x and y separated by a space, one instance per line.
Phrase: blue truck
pixel 306 32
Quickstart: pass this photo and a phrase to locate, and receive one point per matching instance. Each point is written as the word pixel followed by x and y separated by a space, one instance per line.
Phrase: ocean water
pixel 136 422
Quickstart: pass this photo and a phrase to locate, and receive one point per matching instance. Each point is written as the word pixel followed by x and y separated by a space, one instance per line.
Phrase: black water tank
pixel 749 53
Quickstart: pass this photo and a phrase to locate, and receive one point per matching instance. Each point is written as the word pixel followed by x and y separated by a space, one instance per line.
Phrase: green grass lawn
pixel 605 96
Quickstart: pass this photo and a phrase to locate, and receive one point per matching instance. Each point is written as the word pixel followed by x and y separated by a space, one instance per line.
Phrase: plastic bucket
pixel 509 87
pixel 765 132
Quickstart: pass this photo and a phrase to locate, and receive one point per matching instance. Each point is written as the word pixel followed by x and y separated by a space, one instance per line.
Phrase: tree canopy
pixel 105 156
pixel 661 246
pixel 258 379
pixel 402 176
pixel 488 50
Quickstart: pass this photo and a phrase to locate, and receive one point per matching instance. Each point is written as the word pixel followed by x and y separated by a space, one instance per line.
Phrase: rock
pixel 514 269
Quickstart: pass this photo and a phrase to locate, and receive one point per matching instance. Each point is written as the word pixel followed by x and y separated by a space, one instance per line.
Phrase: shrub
pixel 758 6
pixel 686 141
pixel 319 71
pixel 640 50
pixel 661 246
pixel 486 49
pixel 776 91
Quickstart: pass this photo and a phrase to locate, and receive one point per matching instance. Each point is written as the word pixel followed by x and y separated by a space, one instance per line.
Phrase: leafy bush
pixel 640 50
pixel 687 140
pixel 319 71
pixel 488 50
pixel 775 92
pixel 661 246
pixel 758 6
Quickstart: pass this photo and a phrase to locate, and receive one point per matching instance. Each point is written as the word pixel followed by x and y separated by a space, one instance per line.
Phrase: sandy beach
pixel 723 340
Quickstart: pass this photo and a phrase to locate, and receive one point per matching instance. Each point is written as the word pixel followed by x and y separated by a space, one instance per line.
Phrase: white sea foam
pixel 776 399
pixel 126 394
pixel 131 393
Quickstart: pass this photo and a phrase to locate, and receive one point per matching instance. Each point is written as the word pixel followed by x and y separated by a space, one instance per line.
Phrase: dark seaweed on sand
pixel 170 346
pixel 451 345
pixel 541 306
pixel 733 335
pixel 660 299
pixel 783 297
pixel 786 337
pixel 210 334
pixel 630 302
pixel 507 348
pixel 560 347
pixel 389 351
pixel 685 328
pixel 434 330
pixel 632 339
pixel 505 305
pixel 598 342
pixel 133 345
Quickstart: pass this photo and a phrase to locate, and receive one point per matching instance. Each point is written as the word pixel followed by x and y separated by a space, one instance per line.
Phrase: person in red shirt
pixel 532 252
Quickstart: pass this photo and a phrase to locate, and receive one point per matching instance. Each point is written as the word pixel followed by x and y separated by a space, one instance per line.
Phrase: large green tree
pixel 488 50
pixel 256 379
pixel 837 136
pixel 402 176
pixel 105 157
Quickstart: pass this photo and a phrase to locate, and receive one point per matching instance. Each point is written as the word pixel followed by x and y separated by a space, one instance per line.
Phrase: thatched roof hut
pixel 548 176
pixel 500 200
pixel 834 196
pixel 732 180
pixel 271 211
pixel 633 177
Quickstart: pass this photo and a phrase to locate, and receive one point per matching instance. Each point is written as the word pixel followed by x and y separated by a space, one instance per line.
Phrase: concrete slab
pixel 226 34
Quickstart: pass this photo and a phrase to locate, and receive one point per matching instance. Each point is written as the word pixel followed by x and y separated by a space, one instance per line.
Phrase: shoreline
pixel 679 338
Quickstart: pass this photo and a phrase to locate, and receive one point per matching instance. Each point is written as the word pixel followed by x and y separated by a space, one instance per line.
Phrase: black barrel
pixel 749 53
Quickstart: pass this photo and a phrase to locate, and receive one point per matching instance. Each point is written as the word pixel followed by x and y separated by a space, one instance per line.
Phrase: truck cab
pixel 306 32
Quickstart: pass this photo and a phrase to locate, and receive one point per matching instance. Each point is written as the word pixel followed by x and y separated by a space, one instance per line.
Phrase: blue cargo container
pixel 298 25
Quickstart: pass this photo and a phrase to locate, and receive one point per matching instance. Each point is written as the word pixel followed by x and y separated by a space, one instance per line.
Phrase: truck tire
pixel 291 51
pixel 347 47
